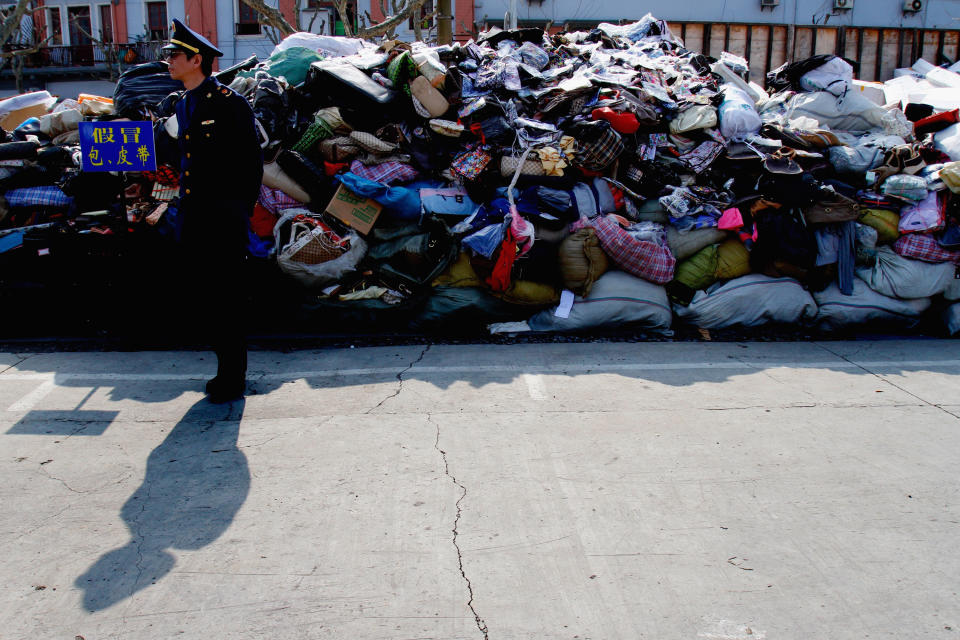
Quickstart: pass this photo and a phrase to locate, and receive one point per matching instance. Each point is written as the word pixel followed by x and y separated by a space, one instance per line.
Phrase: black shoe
pixel 220 390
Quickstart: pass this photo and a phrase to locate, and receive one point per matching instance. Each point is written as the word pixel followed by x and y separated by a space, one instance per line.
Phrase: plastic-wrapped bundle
pixel 143 87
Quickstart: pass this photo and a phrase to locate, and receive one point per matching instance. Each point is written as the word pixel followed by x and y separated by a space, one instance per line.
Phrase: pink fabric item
pixel 522 231
pixel 922 217
pixel 731 219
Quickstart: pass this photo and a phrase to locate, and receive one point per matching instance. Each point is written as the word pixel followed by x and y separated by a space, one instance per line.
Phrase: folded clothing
pixel 38 197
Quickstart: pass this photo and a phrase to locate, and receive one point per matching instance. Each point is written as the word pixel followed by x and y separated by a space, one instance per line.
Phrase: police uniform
pixel 221 167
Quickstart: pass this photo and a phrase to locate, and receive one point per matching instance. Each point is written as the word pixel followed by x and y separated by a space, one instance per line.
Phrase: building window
pixel 106 23
pixel 247 22
pixel 78 20
pixel 157 20
pixel 56 28
pixel 426 19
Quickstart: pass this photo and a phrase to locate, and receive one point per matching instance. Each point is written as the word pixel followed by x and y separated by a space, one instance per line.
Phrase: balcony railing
pixel 91 55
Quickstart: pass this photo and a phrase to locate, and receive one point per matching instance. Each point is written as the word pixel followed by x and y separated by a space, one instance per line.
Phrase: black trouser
pixel 216 307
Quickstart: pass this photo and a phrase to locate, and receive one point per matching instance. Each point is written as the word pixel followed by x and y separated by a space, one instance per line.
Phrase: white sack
pixel 865 305
pixel 334 46
pixel 899 277
pixel 852 113
pixel 750 301
pixel 951 318
pixel 738 115
pixel 616 298
pixel 948 141
pixel 834 76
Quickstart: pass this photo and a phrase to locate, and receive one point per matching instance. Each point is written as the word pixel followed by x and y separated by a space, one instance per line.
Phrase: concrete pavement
pixel 726 491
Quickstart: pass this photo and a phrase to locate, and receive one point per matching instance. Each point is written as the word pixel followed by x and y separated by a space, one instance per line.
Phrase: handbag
pixel 313 242
pixel 837 209
pixel 531 166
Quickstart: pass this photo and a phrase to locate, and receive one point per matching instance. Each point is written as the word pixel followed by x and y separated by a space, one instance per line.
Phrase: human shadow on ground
pixel 195 483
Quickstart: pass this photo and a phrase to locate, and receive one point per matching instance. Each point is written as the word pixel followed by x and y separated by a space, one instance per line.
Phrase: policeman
pixel 221 166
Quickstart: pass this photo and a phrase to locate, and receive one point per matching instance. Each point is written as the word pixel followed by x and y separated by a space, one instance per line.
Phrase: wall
pixel 938 14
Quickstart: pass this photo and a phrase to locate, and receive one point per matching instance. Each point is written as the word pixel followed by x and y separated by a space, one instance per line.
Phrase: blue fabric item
pixel 486 241
pixel 689 223
pixel 848 255
pixel 28 122
pixel 555 199
pixel 259 248
pixel 11 241
pixel 171 224
pixel 38 196
pixel 404 202
pixel 449 202
pixel 484 217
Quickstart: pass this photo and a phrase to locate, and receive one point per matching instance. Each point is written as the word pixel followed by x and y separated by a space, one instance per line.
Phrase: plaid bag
pixel 598 145
pixel 924 247
pixel 646 260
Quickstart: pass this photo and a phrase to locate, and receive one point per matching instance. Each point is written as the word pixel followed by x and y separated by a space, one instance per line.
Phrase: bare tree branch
pixel 393 21
pixel 270 16
pixel 11 23
pixel 25 52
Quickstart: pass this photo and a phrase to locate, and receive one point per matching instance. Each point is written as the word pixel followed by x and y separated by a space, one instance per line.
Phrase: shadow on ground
pixel 196 481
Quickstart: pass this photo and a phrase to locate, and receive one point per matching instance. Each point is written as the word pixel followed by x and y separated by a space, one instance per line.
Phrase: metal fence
pixel 91 55
pixel 877 50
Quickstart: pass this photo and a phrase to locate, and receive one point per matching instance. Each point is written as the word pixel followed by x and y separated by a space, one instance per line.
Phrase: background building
pixel 92 40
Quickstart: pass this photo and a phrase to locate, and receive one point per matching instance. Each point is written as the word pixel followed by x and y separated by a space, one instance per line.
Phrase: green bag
pixel 291 64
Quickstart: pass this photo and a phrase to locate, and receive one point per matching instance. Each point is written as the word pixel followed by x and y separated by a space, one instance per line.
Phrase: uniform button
pixel 188 136
pixel 188 154
pixel 188 191
pixel 187 173
pixel 209 94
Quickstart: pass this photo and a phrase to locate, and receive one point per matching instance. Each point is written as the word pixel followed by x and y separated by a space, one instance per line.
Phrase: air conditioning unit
pixel 912 6
pixel 769 3
pixel 842 5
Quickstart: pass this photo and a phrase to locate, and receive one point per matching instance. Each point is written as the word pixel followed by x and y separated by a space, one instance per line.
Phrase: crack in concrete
pixel 481 625
pixel 400 380
pixel 17 364
pixel 138 541
pixel 882 379
pixel 40 525
pixel 61 481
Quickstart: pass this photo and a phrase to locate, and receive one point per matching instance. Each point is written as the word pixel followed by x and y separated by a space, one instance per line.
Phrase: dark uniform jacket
pixel 221 166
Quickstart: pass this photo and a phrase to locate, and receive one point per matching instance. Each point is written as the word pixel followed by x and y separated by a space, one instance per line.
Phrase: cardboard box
pixel 870 90
pixel 13 119
pixel 356 212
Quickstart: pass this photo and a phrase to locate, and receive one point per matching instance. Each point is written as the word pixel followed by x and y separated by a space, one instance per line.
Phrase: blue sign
pixel 117 146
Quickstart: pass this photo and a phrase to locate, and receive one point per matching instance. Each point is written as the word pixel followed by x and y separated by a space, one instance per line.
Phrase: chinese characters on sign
pixel 117 146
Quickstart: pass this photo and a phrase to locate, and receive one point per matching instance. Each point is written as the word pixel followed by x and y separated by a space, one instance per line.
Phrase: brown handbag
pixel 837 209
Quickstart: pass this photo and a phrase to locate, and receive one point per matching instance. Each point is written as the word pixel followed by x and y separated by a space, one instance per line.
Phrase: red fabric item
pixel 477 130
pixel 164 175
pixel 333 168
pixel 617 196
pixel 499 279
pixel 621 122
pixel 936 122
pixel 262 221
pixel 590 174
